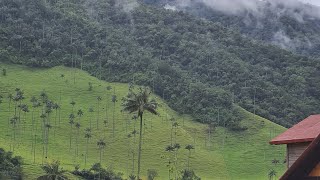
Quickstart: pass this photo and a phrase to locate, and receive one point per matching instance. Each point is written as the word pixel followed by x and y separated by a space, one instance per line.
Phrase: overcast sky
pixel 315 2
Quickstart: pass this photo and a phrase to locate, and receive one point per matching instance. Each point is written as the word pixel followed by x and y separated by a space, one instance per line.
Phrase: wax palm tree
pixel 98 116
pixel 114 100
pixel 43 117
pixel 1 101
pixel 73 103
pixel 139 102
pixel 80 114
pixel 25 110
pixel 34 102
pixel 189 147
pixel 48 127
pixel 53 172
pixel 55 107
pixel 13 122
pixel 176 147
pixel 71 122
pixel 16 99
pixel 91 110
pixel 78 129
pixel 272 173
pixel 10 97
pixel 108 89
pixel 275 162
pixel 170 149
pixel 101 145
pixel 44 96
pixel 87 135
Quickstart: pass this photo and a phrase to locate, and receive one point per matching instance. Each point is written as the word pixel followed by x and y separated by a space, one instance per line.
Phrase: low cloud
pixel 127 5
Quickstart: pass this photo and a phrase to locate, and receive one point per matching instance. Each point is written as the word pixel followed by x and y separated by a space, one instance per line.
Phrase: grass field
pixel 229 155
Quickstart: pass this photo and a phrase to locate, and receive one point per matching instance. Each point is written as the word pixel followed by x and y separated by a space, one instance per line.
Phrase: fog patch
pixel 169 7
pixel 127 5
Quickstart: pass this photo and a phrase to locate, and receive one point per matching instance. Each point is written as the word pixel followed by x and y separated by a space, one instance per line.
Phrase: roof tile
pixel 305 131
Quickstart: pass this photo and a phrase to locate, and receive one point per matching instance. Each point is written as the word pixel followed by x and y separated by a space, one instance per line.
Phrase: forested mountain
pixel 197 66
pixel 288 24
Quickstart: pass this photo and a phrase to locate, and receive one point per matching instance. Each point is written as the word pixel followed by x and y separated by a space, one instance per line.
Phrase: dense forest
pixel 198 66
pixel 291 25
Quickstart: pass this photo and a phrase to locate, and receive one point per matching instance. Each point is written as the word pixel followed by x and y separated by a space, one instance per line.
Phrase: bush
pixel 189 175
pixel 152 173
pixel 97 171
pixel 10 167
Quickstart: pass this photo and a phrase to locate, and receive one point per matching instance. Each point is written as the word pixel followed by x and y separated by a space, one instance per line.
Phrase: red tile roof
pixel 305 131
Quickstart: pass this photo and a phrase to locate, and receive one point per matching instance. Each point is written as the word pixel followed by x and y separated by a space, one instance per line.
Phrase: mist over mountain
pixel 291 24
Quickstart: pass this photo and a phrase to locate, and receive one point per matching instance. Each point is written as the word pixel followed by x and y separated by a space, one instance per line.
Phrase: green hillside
pixel 240 155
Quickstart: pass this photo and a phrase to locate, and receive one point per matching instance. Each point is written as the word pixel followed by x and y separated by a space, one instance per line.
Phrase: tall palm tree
pixel 114 100
pixel 77 144
pixel 34 102
pixel 55 106
pixel 101 145
pixel 189 147
pixel 176 148
pixel 108 89
pixel 71 122
pixel 80 114
pixel 10 97
pixel 73 103
pixel 170 149
pixel 13 122
pixel 87 135
pixel 53 172
pixel 272 173
pixel 1 99
pixel 44 96
pixel 139 102
pixel 91 112
pixel 98 116
pixel 25 109
pixel 48 127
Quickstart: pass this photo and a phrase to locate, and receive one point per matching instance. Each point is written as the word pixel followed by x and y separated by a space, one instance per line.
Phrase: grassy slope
pixel 240 155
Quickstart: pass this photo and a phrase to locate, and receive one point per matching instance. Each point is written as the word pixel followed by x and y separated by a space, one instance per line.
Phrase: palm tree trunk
pixel 34 148
pixel 139 152
pixel 113 125
pixel 100 155
pixel 98 115
pixel 70 137
pixel 189 159
pixel 85 160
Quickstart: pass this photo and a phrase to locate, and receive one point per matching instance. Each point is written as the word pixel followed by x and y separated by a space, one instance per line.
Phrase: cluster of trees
pixel 197 66
pixel 10 166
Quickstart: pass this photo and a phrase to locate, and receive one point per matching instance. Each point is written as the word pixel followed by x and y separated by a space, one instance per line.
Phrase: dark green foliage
pixel 152 174
pixel 10 167
pixel 53 171
pixel 90 86
pixel 189 175
pixel 4 72
pixel 98 172
pixel 197 66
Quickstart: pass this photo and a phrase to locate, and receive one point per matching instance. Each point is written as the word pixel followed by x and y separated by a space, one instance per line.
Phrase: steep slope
pixel 229 154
